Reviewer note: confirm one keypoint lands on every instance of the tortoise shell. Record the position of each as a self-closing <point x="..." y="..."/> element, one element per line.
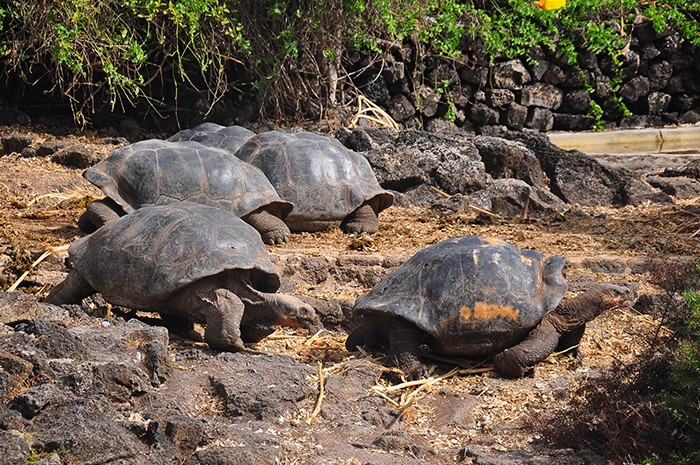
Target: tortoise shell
<point x="472" y="295"/>
<point x="141" y="259"/>
<point x="229" y="138"/>
<point x="322" y="178"/>
<point x="156" y="172"/>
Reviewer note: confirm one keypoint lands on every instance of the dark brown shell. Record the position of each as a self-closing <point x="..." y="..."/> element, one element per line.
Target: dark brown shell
<point x="322" y="178"/>
<point x="141" y="259"/>
<point x="473" y="295"/>
<point x="157" y="172"/>
<point x="229" y="138"/>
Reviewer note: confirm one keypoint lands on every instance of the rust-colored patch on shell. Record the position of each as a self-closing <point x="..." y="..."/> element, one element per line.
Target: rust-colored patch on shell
<point x="484" y="311"/>
<point x="492" y="241"/>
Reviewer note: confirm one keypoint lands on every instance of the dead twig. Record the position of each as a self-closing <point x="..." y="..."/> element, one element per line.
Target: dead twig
<point x="562" y="352"/>
<point x="407" y="399"/>
<point x="366" y="109"/>
<point x="474" y="371"/>
<point x="52" y="195"/>
<point x="313" y="338"/>
<point x="43" y="257"/>
<point x="321" y="395"/>
<point x="473" y="207"/>
<point x="440" y="192"/>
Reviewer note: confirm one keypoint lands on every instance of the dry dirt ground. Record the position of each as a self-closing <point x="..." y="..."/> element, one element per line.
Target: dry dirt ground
<point x="40" y="202"/>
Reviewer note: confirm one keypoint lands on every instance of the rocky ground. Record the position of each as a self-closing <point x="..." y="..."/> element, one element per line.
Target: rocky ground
<point x="90" y="384"/>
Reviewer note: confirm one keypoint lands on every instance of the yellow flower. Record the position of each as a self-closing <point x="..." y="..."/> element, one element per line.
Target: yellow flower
<point x="550" y="4"/>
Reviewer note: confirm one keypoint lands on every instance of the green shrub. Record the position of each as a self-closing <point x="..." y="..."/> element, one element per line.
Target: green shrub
<point x="111" y="50"/>
<point x="682" y="396"/>
<point x="118" y="52"/>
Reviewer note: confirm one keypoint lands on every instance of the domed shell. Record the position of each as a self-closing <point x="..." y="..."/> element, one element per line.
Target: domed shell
<point x="229" y="138"/>
<point x="157" y="251"/>
<point x="322" y="178"/>
<point x="474" y="295"/>
<point x="196" y="133"/>
<point x="156" y="172"/>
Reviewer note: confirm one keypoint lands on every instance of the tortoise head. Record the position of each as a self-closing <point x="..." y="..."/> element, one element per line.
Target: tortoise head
<point x="274" y="309"/>
<point x="614" y="296"/>
<point x="295" y="313"/>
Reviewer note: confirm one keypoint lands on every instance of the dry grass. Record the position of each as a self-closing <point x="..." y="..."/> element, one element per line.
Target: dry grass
<point x="617" y="338"/>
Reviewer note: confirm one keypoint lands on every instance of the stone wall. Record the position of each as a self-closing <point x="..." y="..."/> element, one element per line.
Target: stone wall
<point x="660" y="85"/>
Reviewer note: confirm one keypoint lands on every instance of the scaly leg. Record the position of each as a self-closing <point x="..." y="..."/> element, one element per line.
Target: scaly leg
<point x="362" y="220"/>
<point x="220" y="309"/>
<point x="71" y="290"/>
<point x="224" y="311"/>
<point x="271" y="228"/>
<point x="537" y="346"/>
<point x="404" y="340"/>
<point x="99" y="213"/>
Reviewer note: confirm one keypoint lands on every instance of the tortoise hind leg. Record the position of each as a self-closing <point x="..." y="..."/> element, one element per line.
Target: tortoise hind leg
<point x="98" y="213"/>
<point x="71" y="290"/>
<point x="570" y="341"/>
<point x="177" y="324"/>
<point x="363" y="220"/>
<point x="271" y="228"/>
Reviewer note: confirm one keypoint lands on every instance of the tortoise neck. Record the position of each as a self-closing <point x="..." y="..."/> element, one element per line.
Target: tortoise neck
<point x="577" y="311"/>
<point x="263" y="307"/>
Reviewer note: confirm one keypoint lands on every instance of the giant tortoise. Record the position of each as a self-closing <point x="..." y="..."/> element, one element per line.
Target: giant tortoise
<point x="188" y="261"/>
<point x="328" y="183"/>
<point x="229" y="138"/>
<point x="477" y="296"/>
<point x="156" y="172"/>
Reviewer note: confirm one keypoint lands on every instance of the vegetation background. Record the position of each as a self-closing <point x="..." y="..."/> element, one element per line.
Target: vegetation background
<point x="291" y="57"/>
<point x="166" y="58"/>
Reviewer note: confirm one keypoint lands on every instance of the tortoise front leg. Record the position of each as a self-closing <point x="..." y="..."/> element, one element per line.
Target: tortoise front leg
<point x="71" y="290"/>
<point x="363" y="220"/>
<point x="562" y="328"/>
<point x="220" y="309"/>
<point x="404" y="340"/>
<point x="571" y="340"/>
<point x="541" y="342"/>
<point x="271" y="228"/>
